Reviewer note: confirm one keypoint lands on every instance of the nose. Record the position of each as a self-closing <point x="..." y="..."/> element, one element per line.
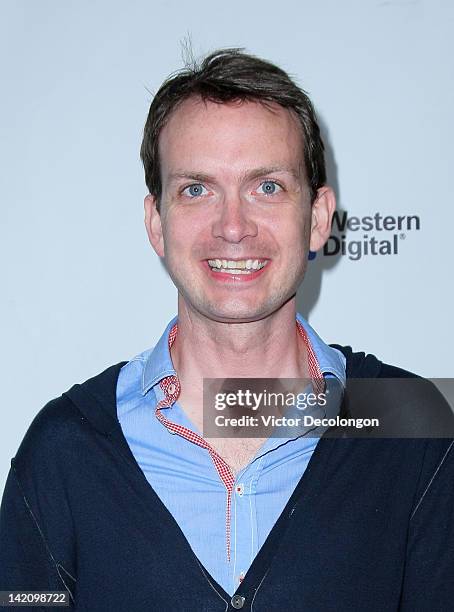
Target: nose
<point x="233" y="221"/>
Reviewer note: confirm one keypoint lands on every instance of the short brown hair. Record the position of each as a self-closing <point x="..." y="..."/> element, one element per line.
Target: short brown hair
<point x="224" y="76"/>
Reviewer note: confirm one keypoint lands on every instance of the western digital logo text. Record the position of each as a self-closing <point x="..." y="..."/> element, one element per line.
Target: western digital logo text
<point x="356" y="237"/>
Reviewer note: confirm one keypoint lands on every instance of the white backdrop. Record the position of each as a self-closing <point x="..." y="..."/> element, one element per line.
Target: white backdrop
<point x="82" y="287"/>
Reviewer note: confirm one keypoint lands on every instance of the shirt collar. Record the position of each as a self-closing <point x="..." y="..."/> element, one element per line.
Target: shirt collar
<point x="330" y="360"/>
<point x="159" y="364"/>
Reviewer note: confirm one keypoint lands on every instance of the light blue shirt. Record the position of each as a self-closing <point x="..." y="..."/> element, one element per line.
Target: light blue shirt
<point x="183" y="474"/>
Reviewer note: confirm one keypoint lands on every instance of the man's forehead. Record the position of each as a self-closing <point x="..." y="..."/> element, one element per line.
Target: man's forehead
<point x="196" y="107"/>
<point x="200" y="132"/>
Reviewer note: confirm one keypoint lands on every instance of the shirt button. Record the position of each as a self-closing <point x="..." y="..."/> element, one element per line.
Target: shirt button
<point x="237" y="602"/>
<point x="171" y="389"/>
<point x="239" y="488"/>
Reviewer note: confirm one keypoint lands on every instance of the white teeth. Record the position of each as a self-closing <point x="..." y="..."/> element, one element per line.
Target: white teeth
<point x="243" y="266"/>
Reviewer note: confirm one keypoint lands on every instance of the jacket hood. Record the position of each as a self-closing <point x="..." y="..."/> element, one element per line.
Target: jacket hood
<point x="359" y="365"/>
<point x="96" y="399"/>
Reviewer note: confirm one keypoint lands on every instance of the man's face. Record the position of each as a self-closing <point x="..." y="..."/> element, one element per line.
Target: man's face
<point x="235" y="213"/>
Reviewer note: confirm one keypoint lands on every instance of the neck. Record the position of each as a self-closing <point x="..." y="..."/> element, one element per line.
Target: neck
<point x="268" y="348"/>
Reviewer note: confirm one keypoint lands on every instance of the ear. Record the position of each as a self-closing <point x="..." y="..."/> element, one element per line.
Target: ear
<point x="321" y="216"/>
<point x="153" y="225"/>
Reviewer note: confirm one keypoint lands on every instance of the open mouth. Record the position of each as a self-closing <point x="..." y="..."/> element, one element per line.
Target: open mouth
<point x="240" y="266"/>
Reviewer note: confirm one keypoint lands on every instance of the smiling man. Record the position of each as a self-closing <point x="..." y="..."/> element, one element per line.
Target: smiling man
<point x="116" y="495"/>
<point x="234" y="176"/>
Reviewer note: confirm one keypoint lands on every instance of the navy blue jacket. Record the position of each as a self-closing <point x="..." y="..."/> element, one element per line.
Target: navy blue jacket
<point x="368" y="527"/>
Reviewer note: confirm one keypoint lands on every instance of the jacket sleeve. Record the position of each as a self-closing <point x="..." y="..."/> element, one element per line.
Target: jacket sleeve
<point x="26" y="562"/>
<point x="36" y="530"/>
<point x="429" y="570"/>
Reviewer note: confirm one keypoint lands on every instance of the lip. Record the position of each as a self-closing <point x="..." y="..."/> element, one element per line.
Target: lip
<point x="225" y="277"/>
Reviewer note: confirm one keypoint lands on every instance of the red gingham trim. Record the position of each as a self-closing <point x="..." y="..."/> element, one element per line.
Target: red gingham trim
<point x="318" y="382"/>
<point x="171" y="388"/>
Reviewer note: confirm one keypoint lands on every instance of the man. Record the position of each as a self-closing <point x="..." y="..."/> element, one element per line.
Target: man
<point x="116" y="495"/>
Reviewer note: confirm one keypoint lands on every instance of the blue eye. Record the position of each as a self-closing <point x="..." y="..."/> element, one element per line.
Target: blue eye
<point x="195" y="190"/>
<point x="269" y="187"/>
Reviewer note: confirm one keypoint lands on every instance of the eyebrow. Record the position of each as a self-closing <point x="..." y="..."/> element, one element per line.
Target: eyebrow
<point x="195" y="176"/>
<point x="249" y="175"/>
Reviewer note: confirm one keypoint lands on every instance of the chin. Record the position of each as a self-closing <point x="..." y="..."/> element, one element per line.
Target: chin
<point x="236" y="312"/>
<point x="236" y="318"/>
